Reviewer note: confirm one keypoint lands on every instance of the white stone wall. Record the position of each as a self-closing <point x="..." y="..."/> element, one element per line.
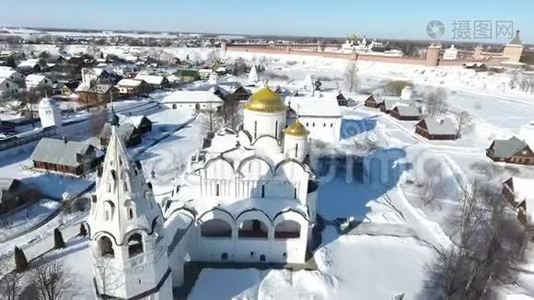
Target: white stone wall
<point x="323" y="128"/>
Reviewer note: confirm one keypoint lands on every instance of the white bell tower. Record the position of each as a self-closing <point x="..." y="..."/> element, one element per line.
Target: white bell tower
<point x="128" y="248"/>
<point x="49" y="113"/>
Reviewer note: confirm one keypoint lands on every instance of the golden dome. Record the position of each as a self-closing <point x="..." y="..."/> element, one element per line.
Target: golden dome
<point x="296" y="129"/>
<point x="265" y="100"/>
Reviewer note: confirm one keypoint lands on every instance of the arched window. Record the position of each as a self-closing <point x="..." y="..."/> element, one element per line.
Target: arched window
<point x="106" y="247"/>
<point x="263" y="190"/>
<point x="287" y="230"/>
<point x="217" y="190"/>
<point x="109" y="210"/>
<point x="255" y="129"/>
<point x="216" y="228"/>
<point x="130" y="213"/>
<point x="135" y="244"/>
<point x="296" y="149"/>
<point x="174" y="106"/>
<point x="253" y="229"/>
<point x="294" y="193"/>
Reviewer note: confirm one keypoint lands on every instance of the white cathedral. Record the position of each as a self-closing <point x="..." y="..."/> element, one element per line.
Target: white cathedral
<point x="250" y="197"/>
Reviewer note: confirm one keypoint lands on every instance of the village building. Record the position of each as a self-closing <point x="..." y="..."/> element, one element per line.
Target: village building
<point x="63" y="156"/>
<point x="32" y="65"/>
<point x="49" y="113"/>
<point x="14" y="193"/>
<point x="433" y="129"/>
<point x="96" y="94"/>
<point x="372" y="102"/>
<point x="236" y="92"/>
<point x="191" y="100"/>
<point x="8" y="89"/>
<point x="518" y="191"/>
<point x="389" y="102"/>
<point x="142" y="123"/>
<point x="512" y="150"/>
<point x="130" y="134"/>
<point x="12" y="75"/>
<point x="133" y="87"/>
<point x="406" y="112"/>
<point x="450" y="53"/>
<point x="187" y="75"/>
<point x="38" y="82"/>
<point x="155" y="81"/>
<point x="320" y="115"/>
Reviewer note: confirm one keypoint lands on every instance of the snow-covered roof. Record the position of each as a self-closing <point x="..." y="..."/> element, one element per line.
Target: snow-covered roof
<point x="29" y="63"/>
<point x="315" y="106"/>
<point x="523" y="189"/>
<point x="33" y="80"/>
<point x="441" y="127"/>
<point x="507" y="148"/>
<point x="7" y="72"/>
<point x="151" y="79"/>
<point x="408" y="110"/>
<point x="60" y="152"/>
<point x="129" y="82"/>
<point x="192" y="97"/>
<point x="133" y="120"/>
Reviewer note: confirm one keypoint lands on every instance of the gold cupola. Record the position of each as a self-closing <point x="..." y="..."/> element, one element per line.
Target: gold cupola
<point x="296" y="129"/>
<point x="265" y="100"/>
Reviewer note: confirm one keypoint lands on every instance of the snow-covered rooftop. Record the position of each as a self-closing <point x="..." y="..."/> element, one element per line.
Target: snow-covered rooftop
<point x="192" y="97"/>
<point x="325" y="106"/>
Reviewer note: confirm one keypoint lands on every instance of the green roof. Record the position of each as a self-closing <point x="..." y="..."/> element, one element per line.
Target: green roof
<point x="516" y="40"/>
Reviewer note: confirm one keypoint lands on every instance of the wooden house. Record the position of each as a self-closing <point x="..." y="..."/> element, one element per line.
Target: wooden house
<point x="512" y="150"/>
<point x="63" y="156"/>
<point x="406" y="113"/>
<point x="133" y="87"/>
<point x="433" y="129"/>
<point x="14" y="193"/>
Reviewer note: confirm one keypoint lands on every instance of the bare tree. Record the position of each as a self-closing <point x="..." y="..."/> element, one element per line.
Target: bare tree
<point x="52" y="281"/>
<point x="433" y="181"/>
<point x="10" y="283"/>
<point x="436" y="103"/>
<point x="351" y="77"/>
<point x="464" y="120"/>
<point x="489" y="247"/>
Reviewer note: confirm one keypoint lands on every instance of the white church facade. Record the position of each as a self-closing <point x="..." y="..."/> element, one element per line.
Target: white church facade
<point x="250" y="198"/>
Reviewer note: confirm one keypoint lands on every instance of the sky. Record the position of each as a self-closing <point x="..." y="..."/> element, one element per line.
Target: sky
<point x="397" y="19"/>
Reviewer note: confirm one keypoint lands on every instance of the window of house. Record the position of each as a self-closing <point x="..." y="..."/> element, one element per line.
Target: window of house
<point x="263" y="190"/>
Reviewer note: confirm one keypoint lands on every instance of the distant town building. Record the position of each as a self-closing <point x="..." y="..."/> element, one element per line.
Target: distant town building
<point x="38" y="82"/>
<point x="514" y="49"/>
<point x="450" y="53"/>
<point x="133" y="87"/>
<point x="156" y="81"/>
<point x="8" y="88"/>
